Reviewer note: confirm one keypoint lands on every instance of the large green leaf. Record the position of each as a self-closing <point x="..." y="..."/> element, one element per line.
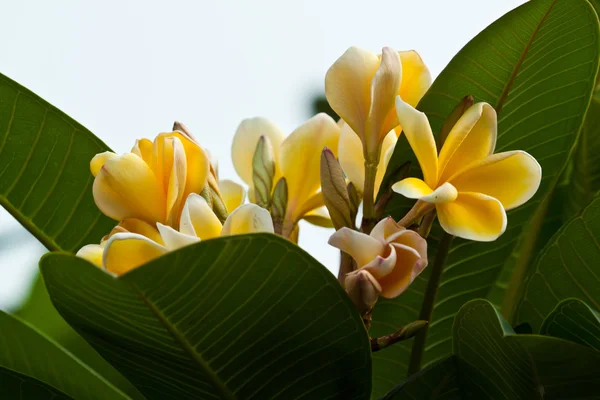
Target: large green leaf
<point x="575" y="321"/>
<point x="491" y="362"/>
<point x="251" y="317"/>
<point x="566" y="268"/>
<point x="42" y="367"/>
<point x="45" y="180"/>
<point x="536" y="66"/>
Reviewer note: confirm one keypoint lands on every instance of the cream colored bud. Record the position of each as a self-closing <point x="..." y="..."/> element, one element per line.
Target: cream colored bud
<point x="263" y="171"/>
<point x="363" y="289"/>
<point x="335" y="193"/>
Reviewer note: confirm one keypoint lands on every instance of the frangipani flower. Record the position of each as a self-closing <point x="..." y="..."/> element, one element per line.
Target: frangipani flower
<point x="297" y="159"/>
<point x="361" y="87"/>
<point x="124" y="251"/>
<point x="152" y="182"/>
<point x="392" y="254"/>
<point x="232" y="193"/>
<point x="469" y="186"/>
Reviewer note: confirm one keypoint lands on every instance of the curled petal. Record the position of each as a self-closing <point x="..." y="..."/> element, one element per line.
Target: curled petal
<point x="409" y="264"/>
<point x="99" y="160"/>
<point x="143" y="149"/>
<point x="92" y="253"/>
<point x="386" y="228"/>
<point x="417" y="130"/>
<point x="126" y="251"/>
<point x="140" y="227"/>
<point x="472" y="138"/>
<point x="173" y="239"/>
<point x="126" y="187"/>
<point x="232" y="193"/>
<point x="177" y="180"/>
<point x="300" y="160"/>
<point x="382" y="265"/>
<point x="512" y="177"/>
<point x="473" y="216"/>
<point x="414" y="188"/>
<point x="198" y="219"/>
<point x="363" y="248"/>
<point x="319" y="217"/>
<point x="248" y="218"/>
<point x="244" y="144"/>
<point x="416" y="78"/>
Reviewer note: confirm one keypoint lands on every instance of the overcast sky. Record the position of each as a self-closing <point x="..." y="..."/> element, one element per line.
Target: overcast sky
<point x="128" y="69"/>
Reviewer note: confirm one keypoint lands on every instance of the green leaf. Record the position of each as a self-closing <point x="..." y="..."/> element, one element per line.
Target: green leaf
<point x="537" y="66"/>
<point x="575" y="321"/>
<point x="566" y="268"/>
<point x="26" y="353"/>
<point x="45" y="179"/>
<point x="19" y="386"/>
<point x="250" y="316"/>
<point x="438" y="381"/>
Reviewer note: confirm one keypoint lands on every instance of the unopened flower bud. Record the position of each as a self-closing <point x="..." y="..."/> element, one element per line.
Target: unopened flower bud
<point x="354" y="199"/>
<point x="363" y="289"/>
<point x="263" y="171"/>
<point x="279" y="204"/>
<point x="454" y="116"/>
<point x="333" y="187"/>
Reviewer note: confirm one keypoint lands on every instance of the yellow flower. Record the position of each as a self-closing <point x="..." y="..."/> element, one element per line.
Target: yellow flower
<point x="393" y="255"/>
<point x="232" y="193"/>
<point x="152" y="182"/>
<point x="297" y="159"/>
<point x="361" y="87"/>
<point x="469" y="186"/>
<point x="125" y="250"/>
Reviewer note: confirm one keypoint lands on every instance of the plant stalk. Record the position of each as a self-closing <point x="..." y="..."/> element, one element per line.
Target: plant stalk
<point x="346" y="266"/>
<point x="369" y="219"/>
<point x="418" y="347"/>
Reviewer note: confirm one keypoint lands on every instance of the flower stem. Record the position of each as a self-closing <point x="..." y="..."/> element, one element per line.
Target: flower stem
<point x="417" y="211"/>
<point x="404" y="333"/>
<point x="346" y="266"/>
<point x="418" y="347"/>
<point x="369" y="219"/>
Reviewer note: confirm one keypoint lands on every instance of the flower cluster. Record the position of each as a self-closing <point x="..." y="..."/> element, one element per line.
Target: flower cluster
<point x="165" y="194"/>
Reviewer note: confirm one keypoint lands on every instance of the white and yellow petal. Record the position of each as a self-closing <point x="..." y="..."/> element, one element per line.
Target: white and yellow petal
<point x="363" y="248"/>
<point x="140" y="227"/>
<point x="248" y="218"/>
<point x="92" y="253"/>
<point x="174" y="239"/>
<point x="126" y="187"/>
<point x="409" y="264"/>
<point x="126" y="251"/>
<point x="232" y="193"/>
<point x="244" y="144"/>
<point x="417" y="130"/>
<point x="472" y="138"/>
<point x="99" y="160"/>
<point x="416" y="78"/>
<point x="319" y="217"/>
<point x="198" y="219"/>
<point x="473" y="216"/>
<point x="415" y="188"/>
<point x="143" y="149"/>
<point x="512" y="177"/>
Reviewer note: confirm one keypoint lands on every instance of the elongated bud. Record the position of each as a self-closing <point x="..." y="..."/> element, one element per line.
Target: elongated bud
<point x="363" y="289"/>
<point x="335" y="193"/>
<point x="454" y="116"/>
<point x="279" y="204"/>
<point x="354" y="199"/>
<point x="179" y="126"/>
<point x="263" y="171"/>
<point x="206" y="194"/>
<point x="218" y="205"/>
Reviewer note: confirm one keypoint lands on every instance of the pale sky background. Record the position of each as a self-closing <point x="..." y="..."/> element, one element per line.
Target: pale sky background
<point x="128" y="69"/>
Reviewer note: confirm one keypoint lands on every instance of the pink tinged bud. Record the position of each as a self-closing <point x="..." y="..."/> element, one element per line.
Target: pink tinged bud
<point x="363" y="289"/>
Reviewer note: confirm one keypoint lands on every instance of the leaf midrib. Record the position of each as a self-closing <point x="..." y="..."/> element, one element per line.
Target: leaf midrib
<point x="213" y="378"/>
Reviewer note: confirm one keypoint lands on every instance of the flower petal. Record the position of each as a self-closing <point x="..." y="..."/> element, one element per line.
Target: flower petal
<point x="92" y="253"/>
<point x="244" y="144"/>
<point x="126" y="251"/>
<point x="232" y="193"/>
<point x="472" y="138"/>
<point x="143" y="149"/>
<point x="177" y="180"/>
<point x="417" y="130"/>
<point x="386" y="228"/>
<point x="300" y="160"/>
<point x="126" y="187"/>
<point x="408" y="265"/>
<point x="348" y="86"/>
<point x="381" y="265"/>
<point x="384" y="89"/>
<point x="512" y="177"/>
<point x="414" y="188"/>
<point x="140" y="227"/>
<point x="248" y="218"/>
<point x="363" y="248"/>
<point x="99" y="160"/>
<point x="173" y="239"/>
<point x="416" y="78"/>
<point x="473" y="216"/>
<point x="198" y="219"/>
<point x="319" y="217"/>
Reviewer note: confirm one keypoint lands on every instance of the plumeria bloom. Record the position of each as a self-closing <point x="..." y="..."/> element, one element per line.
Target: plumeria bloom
<point x="152" y="182"/>
<point x="297" y="159"/>
<point x="124" y="250"/>
<point x="392" y="254"/>
<point x="469" y="186"/>
<point x="361" y="87"/>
